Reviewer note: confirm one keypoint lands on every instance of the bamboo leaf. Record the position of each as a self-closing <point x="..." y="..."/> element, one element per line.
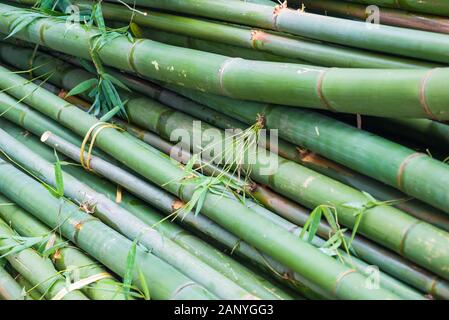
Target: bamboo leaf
<point x="59" y="177"/>
<point x="130" y="263"/>
<point x="83" y="87"/>
<point x="144" y="285"/>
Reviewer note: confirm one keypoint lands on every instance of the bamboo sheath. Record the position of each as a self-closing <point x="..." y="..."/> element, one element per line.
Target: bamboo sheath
<point x="399" y="41"/>
<point x="36" y="269"/>
<point x="101" y="242"/>
<point x="9" y="288"/>
<point x="402" y="169"/>
<point x="438" y="7"/>
<point x="140" y="113"/>
<point x="388" y="16"/>
<point x="285" y="248"/>
<point x="418" y="93"/>
<point x="168" y="204"/>
<point x="69" y="258"/>
<point x="124" y="222"/>
<point x="311" y="52"/>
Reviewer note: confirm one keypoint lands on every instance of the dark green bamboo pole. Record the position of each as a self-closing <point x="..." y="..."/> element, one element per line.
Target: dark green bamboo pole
<point x="438" y="7"/>
<point x="124" y="222"/>
<point x="91" y="235"/>
<point x="421" y="92"/>
<point x="426" y="132"/>
<point x="388" y="16"/>
<point x="258" y="40"/>
<point x="230" y="214"/>
<point x="35" y="268"/>
<point x="9" y="288"/>
<point x="69" y="258"/>
<point x="399" y="41"/>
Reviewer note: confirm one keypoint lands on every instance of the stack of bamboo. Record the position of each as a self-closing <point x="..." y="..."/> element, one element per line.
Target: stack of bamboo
<point x="106" y="191"/>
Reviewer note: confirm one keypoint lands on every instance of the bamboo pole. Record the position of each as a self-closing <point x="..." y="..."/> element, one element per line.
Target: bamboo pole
<point x="403" y="168"/>
<point x="103" y="168"/>
<point x="305" y="51"/>
<point x="438" y="7"/>
<point x="392" y="17"/>
<point x="169" y="204"/>
<point x="151" y="164"/>
<point x="36" y="269"/>
<point x="139" y="108"/>
<point x="276" y="82"/>
<point x="125" y="223"/>
<point x="9" y="288"/>
<point x="399" y="41"/>
<point x="100" y="241"/>
<point x="68" y="257"/>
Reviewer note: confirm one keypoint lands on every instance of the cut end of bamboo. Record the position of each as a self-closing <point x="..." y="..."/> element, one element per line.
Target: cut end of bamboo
<point x="45" y="136"/>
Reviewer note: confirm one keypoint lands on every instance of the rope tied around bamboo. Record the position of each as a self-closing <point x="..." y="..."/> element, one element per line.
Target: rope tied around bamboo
<point x="95" y="130"/>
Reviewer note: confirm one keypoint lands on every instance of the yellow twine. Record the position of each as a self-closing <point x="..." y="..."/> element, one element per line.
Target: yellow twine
<point x="96" y="129"/>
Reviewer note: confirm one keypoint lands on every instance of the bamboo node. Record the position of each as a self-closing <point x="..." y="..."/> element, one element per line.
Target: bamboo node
<point x="422" y="94"/>
<point x="404" y="165"/>
<point x="320" y="91"/>
<point x="221" y="73"/>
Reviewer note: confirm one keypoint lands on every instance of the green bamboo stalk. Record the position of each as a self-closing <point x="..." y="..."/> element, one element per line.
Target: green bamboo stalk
<point x="322" y="134"/>
<point x="438" y="7"/>
<point x="97" y="164"/>
<point x="182" y="104"/>
<point x="28" y="287"/>
<point x="276" y="82"/>
<point x="100" y="241"/>
<point x="242" y="221"/>
<point x="35" y="268"/>
<point x="146" y="192"/>
<point x="368" y="251"/>
<point x="168" y="204"/>
<point x="399" y="41"/>
<point x="68" y="258"/>
<point x="139" y="108"/>
<point x="125" y="223"/>
<point x="9" y="288"/>
<point x="213" y="47"/>
<point x="258" y="40"/>
<point x="392" y="17"/>
<point x="103" y="168"/>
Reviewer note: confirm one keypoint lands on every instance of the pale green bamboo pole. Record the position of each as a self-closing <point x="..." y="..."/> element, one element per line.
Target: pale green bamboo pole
<point x="35" y="268"/>
<point x="9" y="288"/>
<point x="161" y="171"/>
<point x="101" y="242"/>
<point x="168" y="204"/>
<point x="69" y="257"/>
<point x="124" y="222"/>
